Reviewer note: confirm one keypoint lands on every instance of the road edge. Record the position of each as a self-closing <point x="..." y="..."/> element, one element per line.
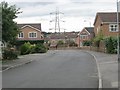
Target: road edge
<point x="99" y="73"/>
<point x="17" y="65"/>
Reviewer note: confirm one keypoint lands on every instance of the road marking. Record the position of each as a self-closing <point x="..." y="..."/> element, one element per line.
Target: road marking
<point x="99" y="73"/>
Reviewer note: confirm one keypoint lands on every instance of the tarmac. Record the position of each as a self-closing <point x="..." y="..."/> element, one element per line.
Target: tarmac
<point x="107" y="67"/>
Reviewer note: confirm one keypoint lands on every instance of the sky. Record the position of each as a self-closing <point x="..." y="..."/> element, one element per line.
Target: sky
<point x="77" y="14"/>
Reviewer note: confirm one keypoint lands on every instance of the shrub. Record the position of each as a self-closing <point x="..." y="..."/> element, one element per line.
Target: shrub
<point x="72" y="43"/>
<point x="25" y="48"/>
<point x="87" y="43"/>
<point x="111" y="44"/>
<point x="9" y="54"/>
<point x="60" y="42"/>
<point x="38" y="48"/>
<point x="97" y="39"/>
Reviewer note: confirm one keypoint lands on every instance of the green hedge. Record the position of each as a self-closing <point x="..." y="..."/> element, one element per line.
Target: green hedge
<point x="111" y="44"/>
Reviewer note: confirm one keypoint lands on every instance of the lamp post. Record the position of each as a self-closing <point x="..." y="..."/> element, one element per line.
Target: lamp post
<point x="118" y="30"/>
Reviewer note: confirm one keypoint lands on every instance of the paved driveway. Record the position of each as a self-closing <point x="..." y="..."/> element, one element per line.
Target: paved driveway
<point x="55" y="69"/>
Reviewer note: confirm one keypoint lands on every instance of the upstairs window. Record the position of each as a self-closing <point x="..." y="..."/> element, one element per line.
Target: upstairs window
<point x="113" y="28"/>
<point x="32" y="35"/>
<point x="83" y="36"/>
<point x="21" y="35"/>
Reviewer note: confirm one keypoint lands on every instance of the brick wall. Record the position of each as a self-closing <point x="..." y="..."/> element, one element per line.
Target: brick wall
<point x="26" y="31"/>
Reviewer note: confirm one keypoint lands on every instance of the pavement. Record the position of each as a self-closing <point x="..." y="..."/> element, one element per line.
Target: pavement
<point x="15" y="63"/>
<point x="107" y="65"/>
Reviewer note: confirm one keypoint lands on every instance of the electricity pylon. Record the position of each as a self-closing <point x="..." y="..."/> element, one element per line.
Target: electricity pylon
<point x="56" y="20"/>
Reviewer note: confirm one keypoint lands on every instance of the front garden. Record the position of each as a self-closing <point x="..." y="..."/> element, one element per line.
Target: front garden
<point x="10" y="53"/>
<point x="103" y="44"/>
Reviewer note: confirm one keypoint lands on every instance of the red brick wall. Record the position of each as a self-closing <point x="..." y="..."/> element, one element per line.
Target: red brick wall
<point x="26" y="31"/>
<point x="104" y="27"/>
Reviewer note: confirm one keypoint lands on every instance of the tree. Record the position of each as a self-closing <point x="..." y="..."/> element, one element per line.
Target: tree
<point x="9" y="27"/>
<point x="0" y="22"/>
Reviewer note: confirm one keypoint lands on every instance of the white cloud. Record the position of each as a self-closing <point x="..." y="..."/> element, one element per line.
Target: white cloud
<point x="75" y="12"/>
<point x="66" y="1"/>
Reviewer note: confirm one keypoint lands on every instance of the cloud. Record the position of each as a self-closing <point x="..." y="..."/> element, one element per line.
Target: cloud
<point x="66" y="1"/>
<point x="75" y="11"/>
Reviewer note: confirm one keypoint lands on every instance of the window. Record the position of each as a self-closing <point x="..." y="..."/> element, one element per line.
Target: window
<point x="83" y="36"/>
<point x="113" y="27"/>
<point x="20" y="35"/>
<point x="32" y="35"/>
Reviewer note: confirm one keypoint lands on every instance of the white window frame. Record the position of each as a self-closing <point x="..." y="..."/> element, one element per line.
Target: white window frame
<point x="34" y="33"/>
<point x="85" y="36"/>
<point x="20" y="36"/>
<point x="113" y="27"/>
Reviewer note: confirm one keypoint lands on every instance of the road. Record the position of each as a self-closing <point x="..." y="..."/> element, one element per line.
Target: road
<point x="55" y="69"/>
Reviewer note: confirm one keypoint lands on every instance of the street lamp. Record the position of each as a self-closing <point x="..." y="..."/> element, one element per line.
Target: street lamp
<point x="118" y="2"/>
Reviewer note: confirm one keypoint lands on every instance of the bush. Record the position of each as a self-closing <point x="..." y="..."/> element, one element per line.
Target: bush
<point x="97" y="39"/>
<point x="60" y="42"/>
<point x="25" y="48"/>
<point x="9" y="54"/>
<point x="38" y="48"/>
<point x="72" y="43"/>
<point x="111" y="45"/>
<point x="87" y="43"/>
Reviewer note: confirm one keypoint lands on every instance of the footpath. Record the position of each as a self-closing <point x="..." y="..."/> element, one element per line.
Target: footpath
<point x="108" y="68"/>
<point x="107" y="64"/>
<point x="9" y="64"/>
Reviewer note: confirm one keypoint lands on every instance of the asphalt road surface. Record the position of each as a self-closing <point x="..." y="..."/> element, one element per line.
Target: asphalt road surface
<point x="55" y="69"/>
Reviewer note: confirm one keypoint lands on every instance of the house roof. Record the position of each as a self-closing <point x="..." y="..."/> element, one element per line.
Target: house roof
<point x="63" y="35"/>
<point x="107" y="16"/>
<point x="90" y="29"/>
<point x="34" y="25"/>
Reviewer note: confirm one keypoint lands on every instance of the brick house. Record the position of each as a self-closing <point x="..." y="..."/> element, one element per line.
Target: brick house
<point x="106" y="23"/>
<point x="64" y="36"/>
<point x="86" y="34"/>
<point x="30" y="32"/>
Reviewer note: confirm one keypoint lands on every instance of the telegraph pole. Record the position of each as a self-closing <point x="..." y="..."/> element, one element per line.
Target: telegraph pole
<point x="56" y="20"/>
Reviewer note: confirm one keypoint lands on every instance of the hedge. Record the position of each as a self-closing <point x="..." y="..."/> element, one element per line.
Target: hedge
<point x="111" y="44"/>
